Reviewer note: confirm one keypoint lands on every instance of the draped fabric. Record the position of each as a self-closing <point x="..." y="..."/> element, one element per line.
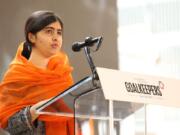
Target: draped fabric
<point x="25" y="85"/>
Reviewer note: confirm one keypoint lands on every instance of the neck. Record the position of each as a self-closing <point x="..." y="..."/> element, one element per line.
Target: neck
<point x="38" y="59"/>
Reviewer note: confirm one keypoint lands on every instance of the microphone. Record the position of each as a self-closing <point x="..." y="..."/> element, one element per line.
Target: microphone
<point x="89" y="41"/>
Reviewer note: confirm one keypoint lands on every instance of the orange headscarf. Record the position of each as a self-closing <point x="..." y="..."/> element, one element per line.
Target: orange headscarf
<point x="25" y="85"/>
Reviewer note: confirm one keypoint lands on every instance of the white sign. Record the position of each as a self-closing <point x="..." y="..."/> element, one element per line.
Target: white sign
<point x="124" y="86"/>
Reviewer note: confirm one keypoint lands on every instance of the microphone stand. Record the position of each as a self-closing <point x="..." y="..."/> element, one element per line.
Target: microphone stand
<point x="91" y="64"/>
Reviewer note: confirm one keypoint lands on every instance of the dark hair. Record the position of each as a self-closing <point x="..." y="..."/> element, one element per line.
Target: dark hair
<point x="36" y="22"/>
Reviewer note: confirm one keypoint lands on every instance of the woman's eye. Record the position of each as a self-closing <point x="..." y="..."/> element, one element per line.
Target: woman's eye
<point x="59" y="32"/>
<point x="49" y="31"/>
<point x="52" y="32"/>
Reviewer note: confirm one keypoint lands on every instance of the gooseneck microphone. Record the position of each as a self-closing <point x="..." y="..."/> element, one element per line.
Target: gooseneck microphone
<point x="89" y="41"/>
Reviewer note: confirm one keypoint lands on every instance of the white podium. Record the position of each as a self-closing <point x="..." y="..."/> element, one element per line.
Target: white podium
<point x="119" y="103"/>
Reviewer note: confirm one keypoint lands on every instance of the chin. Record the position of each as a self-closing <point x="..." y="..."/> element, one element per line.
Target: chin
<point x="53" y="53"/>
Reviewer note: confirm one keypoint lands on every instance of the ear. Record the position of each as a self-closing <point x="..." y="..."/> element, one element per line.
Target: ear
<point x="32" y="37"/>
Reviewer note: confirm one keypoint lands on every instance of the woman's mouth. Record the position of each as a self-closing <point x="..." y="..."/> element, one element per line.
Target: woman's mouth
<point x="54" y="46"/>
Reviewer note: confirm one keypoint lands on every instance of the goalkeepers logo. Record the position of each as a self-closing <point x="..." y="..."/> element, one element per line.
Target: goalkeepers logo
<point x="145" y="88"/>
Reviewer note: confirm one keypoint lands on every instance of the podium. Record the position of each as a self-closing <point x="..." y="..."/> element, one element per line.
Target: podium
<point x="111" y="102"/>
<point x="118" y="103"/>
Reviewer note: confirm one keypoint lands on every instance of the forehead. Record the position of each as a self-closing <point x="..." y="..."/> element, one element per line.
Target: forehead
<point x="54" y="25"/>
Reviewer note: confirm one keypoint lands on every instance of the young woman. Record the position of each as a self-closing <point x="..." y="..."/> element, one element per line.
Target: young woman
<point x="38" y="72"/>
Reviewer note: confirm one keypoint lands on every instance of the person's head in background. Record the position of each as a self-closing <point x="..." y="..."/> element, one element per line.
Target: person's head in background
<point x="43" y="33"/>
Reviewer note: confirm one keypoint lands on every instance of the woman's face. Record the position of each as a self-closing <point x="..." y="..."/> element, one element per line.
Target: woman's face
<point x="48" y="41"/>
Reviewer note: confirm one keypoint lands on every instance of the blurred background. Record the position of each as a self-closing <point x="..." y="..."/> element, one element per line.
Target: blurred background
<point x="140" y="36"/>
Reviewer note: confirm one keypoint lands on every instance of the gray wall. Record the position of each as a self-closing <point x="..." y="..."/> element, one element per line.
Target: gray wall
<point x="81" y="18"/>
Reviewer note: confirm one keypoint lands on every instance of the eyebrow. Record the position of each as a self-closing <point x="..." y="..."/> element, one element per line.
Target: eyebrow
<point x="52" y="28"/>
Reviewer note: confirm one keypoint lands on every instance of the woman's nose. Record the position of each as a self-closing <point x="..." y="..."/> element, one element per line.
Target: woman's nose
<point x="55" y="36"/>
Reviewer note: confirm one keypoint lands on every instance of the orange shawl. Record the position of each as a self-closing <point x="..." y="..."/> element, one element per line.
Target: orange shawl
<point x="25" y="84"/>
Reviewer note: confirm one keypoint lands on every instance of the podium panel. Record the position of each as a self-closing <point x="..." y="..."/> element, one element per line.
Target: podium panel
<point x="63" y="103"/>
<point x="128" y="114"/>
<point x="94" y="115"/>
